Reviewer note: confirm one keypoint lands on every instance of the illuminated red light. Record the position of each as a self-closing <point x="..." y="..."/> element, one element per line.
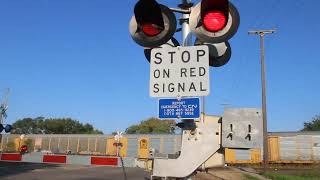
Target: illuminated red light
<point x="214" y="21"/>
<point x="150" y="30"/>
<point x="24" y="148"/>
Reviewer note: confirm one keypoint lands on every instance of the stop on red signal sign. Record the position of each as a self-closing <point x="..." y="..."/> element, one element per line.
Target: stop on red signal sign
<point x="179" y="71"/>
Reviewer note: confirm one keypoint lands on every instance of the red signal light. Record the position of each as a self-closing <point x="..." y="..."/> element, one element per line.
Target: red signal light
<point x="150" y="29"/>
<point x="152" y="24"/>
<point x="24" y="148"/>
<point x="214" y="21"/>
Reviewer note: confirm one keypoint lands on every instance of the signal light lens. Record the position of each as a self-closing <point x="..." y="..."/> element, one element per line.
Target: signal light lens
<point x="214" y="21"/>
<point x="24" y="148"/>
<point x="150" y="29"/>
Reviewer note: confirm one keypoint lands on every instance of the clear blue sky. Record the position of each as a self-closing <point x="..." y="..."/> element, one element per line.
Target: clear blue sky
<point x="76" y="59"/>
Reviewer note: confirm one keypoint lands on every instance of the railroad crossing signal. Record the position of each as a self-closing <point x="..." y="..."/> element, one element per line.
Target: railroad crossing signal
<point x="180" y="72"/>
<point x="153" y="24"/>
<point x="213" y="22"/>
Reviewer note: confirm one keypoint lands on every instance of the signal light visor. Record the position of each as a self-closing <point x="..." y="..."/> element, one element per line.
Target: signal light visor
<point x="214" y="21"/>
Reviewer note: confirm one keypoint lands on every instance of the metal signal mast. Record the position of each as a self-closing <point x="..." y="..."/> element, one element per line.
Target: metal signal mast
<point x="3" y="112"/>
<point x="4" y="106"/>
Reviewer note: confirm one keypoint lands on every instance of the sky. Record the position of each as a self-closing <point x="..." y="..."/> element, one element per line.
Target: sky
<point x="76" y="59"/>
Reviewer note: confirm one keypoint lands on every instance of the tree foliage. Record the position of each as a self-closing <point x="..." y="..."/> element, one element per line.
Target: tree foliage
<point x="313" y="125"/>
<point x="152" y="126"/>
<point x="41" y="125"/>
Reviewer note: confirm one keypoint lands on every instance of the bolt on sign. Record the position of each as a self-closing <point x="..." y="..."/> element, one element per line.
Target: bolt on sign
<point x="179" y="71"/>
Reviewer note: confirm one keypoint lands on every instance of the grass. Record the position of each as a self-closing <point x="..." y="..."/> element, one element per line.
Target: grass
<point x="248" y="177"/>
<point x="287" y="171"/>
<point x="275" y="176"/>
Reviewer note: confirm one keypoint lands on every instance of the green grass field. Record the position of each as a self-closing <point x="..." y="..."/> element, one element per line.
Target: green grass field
<point x="248" y="177"/>
<point x="276" y="176"/>
<point x="287" y="172"/>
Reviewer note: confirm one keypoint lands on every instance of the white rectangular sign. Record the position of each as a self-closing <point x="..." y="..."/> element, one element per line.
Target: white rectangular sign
<point x="179" y="71"/>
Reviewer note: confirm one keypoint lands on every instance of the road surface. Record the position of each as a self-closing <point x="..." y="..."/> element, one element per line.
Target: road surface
<point x="32" y="171"/>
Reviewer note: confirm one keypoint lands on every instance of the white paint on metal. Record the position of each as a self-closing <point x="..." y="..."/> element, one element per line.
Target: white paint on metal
<point x="118" y="136"/>
<point x="34" y="157"/>
<point x="242" y="128"/>
<point x="78" y="160"/>
<point x="195" y="150"/>
<point x="186" y="32"/>
<point x="179" y="71"/>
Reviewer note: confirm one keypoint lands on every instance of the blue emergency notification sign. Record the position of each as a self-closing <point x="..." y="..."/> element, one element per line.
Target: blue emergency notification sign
<point x="186" y="108"/>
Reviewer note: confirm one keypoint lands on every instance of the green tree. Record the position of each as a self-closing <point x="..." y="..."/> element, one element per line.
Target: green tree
<point x="152" y="126"/>
<point x="313" y="125"/>
<point x="41" y="125"/>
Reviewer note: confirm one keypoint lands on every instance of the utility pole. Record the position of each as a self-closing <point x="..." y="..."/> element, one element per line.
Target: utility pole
<point x="262" y="33"/>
